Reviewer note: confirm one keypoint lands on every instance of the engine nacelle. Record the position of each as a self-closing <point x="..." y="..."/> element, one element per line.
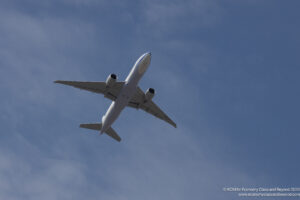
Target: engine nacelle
<point x="111" y="79"/>
<point x="149" y="94"/>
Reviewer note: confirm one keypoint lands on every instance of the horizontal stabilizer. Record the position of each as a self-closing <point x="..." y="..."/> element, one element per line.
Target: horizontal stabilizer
<point x="112" y="133"/>
<point x="97" y="126"/>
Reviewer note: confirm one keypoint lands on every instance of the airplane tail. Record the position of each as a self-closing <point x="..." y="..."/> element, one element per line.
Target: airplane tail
<point x="97" y="126"/>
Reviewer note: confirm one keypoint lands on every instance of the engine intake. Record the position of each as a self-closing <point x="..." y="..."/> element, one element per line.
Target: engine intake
<point x="149" y="94"/>
<point x="111" y="79"/>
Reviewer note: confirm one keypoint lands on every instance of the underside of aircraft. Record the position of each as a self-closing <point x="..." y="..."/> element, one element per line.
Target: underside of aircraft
<point x="123" y="94"/>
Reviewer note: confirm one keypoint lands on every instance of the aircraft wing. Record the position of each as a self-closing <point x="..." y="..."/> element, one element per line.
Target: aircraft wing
<point x="138" y="101"/>
<point x="97" y="87"/>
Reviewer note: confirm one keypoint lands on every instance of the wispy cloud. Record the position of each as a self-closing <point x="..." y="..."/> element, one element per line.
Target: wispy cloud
<point x="153" y="164"/>
<point x="45" y="155"/>
<point x="33" y="53"/>
<point x="166" y="18"/>
<point x="47" y="179"/>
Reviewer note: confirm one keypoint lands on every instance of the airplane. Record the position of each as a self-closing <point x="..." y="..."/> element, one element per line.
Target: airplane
<point x="122" y="93"/>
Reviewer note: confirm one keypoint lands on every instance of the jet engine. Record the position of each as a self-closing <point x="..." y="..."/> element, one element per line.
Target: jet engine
<point x="111" y="79"/>
<point x="149" y="94"/>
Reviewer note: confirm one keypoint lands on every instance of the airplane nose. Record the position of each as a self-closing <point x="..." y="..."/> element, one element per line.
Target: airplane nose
<point x="147" y="57"/>
<point x="144" y="62"/>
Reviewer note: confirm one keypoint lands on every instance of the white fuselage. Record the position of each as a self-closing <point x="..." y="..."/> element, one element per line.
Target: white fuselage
<point x="127" y="91"/>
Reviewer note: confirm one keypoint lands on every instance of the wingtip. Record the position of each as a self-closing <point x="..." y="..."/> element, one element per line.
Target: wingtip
<point x="56" y="81"/>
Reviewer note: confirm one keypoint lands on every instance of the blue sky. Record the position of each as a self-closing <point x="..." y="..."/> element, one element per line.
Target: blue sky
<point x="225" y="71"/>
